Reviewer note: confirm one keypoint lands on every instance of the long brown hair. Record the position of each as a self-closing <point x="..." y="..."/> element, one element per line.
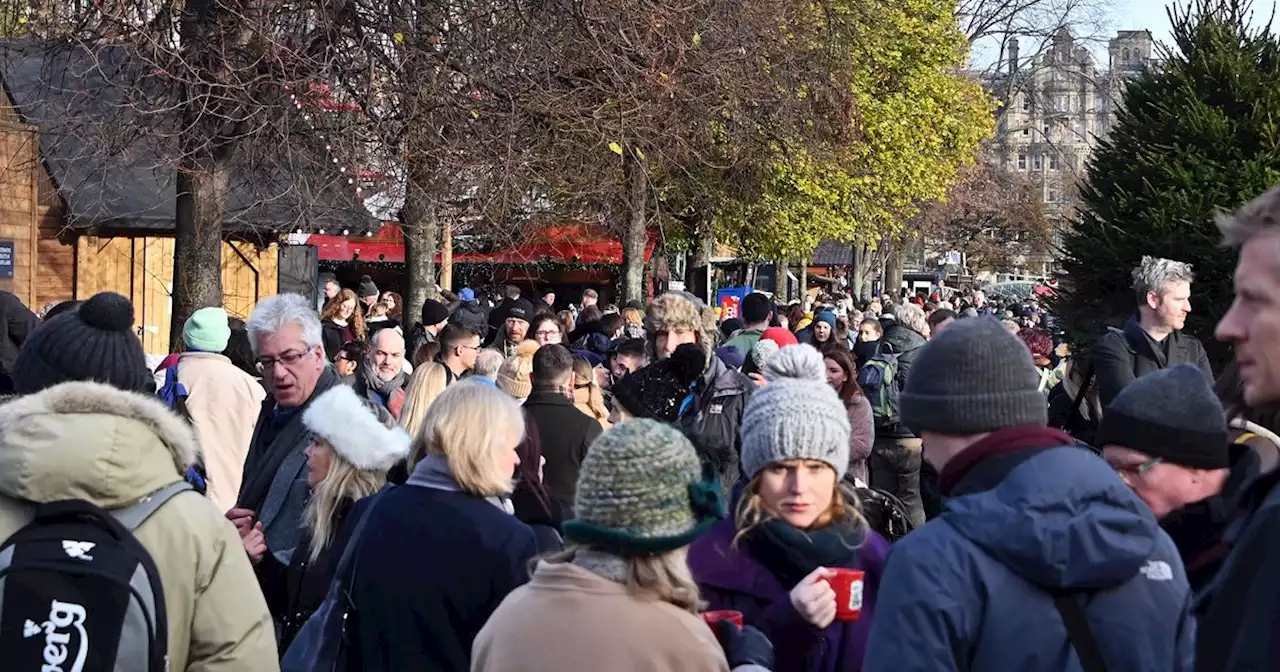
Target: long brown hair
<point x="334" y="307"/>
<point x="850" y="390"/>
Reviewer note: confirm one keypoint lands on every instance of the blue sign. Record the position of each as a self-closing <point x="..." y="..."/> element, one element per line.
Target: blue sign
<point x="6" y="258"/>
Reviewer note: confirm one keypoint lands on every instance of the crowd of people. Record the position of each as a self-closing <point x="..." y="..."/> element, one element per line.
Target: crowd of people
<point x="932" y="482"/>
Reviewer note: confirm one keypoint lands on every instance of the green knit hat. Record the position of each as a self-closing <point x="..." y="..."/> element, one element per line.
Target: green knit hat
<point x="643" y="491"/>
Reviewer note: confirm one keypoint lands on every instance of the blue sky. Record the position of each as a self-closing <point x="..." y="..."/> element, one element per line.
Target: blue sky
<point x="1150" y="14"/>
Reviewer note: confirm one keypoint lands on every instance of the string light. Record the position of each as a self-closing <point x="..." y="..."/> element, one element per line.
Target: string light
<point x="328" y="147"/>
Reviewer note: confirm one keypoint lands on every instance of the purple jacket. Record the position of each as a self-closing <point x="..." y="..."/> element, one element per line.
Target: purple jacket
<point x="730" y="579"/>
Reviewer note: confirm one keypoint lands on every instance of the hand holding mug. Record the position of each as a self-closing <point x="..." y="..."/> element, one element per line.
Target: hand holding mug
<point x="814" y="599"/>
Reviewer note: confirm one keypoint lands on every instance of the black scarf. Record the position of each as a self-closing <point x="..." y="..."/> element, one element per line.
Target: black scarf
<point x="791" y="554"/>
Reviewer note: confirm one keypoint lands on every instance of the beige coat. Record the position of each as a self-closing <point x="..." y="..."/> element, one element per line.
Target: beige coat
<point x="567" y="618"/>
<point x="224" y="403"/>
<point x="109" y="447"/>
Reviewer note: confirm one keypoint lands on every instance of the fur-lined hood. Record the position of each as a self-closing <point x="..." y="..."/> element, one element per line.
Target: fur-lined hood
<point x="680" y="310"/>
<point x="340" y="417"/>
<point x="90" y="441"/>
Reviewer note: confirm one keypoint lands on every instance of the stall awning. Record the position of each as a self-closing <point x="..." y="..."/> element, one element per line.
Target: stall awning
<point x="565" y="243"/>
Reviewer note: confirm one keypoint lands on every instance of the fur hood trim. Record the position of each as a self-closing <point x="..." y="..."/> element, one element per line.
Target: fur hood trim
<point x="680" y="310"/>
<point x="340" y="417"/>
<point x="85" y="398"/>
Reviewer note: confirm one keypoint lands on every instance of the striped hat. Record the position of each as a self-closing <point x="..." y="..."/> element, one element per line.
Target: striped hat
<point x="643" y="491"/>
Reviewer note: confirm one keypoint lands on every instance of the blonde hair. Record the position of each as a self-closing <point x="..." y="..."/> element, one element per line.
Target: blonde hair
<point x="665" y="577"/>
<point x="633" y="317"/>
<point x="343" y="483"/>
<point x="334" y="306"/>
<point x="752" y="511"/>
<point x="378" y="309"/>
<point x="427" y="382"/>
<point x="471" y="424"/>
<point x="1259" y="215"/>
<point x="582" y="371"/>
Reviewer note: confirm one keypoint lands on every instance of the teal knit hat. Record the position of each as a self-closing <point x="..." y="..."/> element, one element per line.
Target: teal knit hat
<point x="207" y="330"/>
<point x="643" y="491"/>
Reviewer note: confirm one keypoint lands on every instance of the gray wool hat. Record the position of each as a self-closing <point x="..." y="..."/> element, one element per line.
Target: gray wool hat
<point x="1172" y="414"/>
<point x="797" y="415"/>
<point x="975" y="377"/>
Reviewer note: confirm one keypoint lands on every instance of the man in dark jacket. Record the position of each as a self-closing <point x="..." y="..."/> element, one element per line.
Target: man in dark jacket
<point x="1166" y="435"/>
<point x="565" y="432"/>
<point x="469" y="314"/>
<point x="895" y="463"/>
<point x="1153" y="340"/>
<point x="16" y="324"/>
<point x="712" y="413"/>
<point x="1237" y="613"/>
<point x="434" y="317"/>
<point x="381" y="378"/>
<point x="1037" y="533"/>
<point x="498" y="316"/>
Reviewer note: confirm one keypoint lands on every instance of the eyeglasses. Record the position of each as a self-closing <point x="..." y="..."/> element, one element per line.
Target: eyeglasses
<point x="1127" y="471"/>
<point x="546" y="334"/>
<point x="288" y="358"/>
<point x="477" y="348"/>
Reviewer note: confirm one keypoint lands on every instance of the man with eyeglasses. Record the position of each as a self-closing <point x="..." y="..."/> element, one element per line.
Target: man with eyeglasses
<point x="284" y="332"/>
<point x="1165" y="434"/>
<point x="459" y="348"/>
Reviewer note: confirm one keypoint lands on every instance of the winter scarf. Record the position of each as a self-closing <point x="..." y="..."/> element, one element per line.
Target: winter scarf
<point x="390" y="392"/>
<point x="865" y="350"/>
<point x="790" y="554"/>
<point x="433" y="472"/>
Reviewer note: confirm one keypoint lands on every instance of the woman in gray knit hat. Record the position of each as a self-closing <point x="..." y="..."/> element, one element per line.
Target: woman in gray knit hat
<point x="622" y="594"/>
<point x="794" y="523"/>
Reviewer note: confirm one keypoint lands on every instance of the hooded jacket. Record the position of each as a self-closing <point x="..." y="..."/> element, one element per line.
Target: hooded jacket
<point x="1124" y="355"/>
<point x="469" y="315"/>
<point x="111" y="448"/>
<point x="973" y="589"/>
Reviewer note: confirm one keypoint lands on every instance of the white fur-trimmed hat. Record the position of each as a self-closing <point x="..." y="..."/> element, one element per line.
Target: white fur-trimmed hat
<point x="340" y="417"/>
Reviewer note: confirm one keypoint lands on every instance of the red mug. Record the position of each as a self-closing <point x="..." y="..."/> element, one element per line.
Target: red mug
<point x="713" y="617"/>
<point x="848" y="586"/>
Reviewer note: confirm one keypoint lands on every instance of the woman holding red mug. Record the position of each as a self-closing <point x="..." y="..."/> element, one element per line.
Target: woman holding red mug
<point x="797" y="560"/>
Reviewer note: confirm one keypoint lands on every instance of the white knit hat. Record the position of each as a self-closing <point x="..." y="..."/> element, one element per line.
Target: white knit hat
<point x="340" y="417"/>
<point x="797" y="415"/>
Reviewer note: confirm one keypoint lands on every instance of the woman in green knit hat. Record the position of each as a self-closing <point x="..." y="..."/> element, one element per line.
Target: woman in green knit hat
<point x="622" y="594"/>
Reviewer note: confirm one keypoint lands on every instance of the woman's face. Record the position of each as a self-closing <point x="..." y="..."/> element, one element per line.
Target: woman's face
<point x="868" y="332"/>
<point x="509" y="459"/>
<point x="389" y="300"/>
<point x="344" y="366"/>
<point x="319" y="459"/>
<point x="548" y="333"/>
<point x="798" y="492"/>
<point x="346" y="309"/>
<point x="835" y="374"/>
<point x="821" y="331"/>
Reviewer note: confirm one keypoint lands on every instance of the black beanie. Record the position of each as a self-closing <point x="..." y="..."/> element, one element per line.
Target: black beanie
<point x="367" y="288"/>
<point x="521" y="309"/>
<point x="1171" y="414"/>
<point x="658" y="390"/>
<point x="94" y="342"/>
<point x="434" y="312"/>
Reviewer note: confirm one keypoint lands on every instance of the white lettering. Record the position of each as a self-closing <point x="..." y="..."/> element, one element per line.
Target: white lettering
<point x="64" y="615"/>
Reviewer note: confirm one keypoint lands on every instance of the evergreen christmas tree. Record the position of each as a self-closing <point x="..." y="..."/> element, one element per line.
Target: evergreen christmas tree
<point x="1198" y="134"/>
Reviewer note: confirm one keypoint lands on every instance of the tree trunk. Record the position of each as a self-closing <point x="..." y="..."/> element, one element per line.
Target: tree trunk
<point x="197" y="244"/>
<point x="421" y="237"/>
<point x="893" y="272"/>
<point x="697" y="273"/>
<point x="634" y="237"/>
<point x="780" y="281"/>
<point x="858" y="271"/>
<point x="804" y="278"/>
<point x="446" y="257"/>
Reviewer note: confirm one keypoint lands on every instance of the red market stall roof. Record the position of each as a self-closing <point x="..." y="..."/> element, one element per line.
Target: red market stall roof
<point x="566" y="243"/>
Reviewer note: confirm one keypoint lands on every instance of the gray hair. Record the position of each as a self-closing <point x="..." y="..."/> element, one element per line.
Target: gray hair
<point x="1260" y="214"/>
<point x="912" y="317"/>
<point x="1155" y="273"/>
<point x="273" y="312"/>
<point x="487" y="364"/>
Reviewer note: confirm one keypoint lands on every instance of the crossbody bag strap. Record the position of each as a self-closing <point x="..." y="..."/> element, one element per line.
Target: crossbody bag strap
<point x="1079" y="633"/>
<point x="1084" y="392"/>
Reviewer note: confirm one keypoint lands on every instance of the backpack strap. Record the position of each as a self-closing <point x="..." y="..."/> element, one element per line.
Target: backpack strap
<point x="133" y="516"/>
<point x="1079" y="633"/>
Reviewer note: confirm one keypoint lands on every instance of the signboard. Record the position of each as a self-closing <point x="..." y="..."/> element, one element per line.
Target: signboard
<point x="6" y="258"/>
<point x="729" y="306"/>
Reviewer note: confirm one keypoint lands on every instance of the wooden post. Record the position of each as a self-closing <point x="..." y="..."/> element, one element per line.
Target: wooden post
<point x="446" y="257"/>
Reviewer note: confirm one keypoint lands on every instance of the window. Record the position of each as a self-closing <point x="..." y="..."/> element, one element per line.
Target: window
<point x="1053" y="162"/>
<point x="1046" y="131"/>
<point x="1124" y="56"/>
<point x="1026" y="131"/>
<point x="1052" y="196"/>
<point x="1026" y="102"/>
<point x="1037" y="162"/>
<point x="1022" y="160"/>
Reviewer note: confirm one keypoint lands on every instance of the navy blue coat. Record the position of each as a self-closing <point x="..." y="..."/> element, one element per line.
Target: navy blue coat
<point x="431" y="566"/>
<point x="970" y="589"/>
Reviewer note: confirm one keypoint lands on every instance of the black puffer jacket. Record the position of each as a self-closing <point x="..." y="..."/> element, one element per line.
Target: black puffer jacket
<point x="469" y="315"/>
<point x="906" y="343"/>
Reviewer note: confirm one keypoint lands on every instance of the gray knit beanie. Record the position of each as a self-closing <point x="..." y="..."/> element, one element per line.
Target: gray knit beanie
<point x="975" y="377"/>
<point x="796" y="416"/>
<point x="1172" y="414"/>
<point x="643" y="491"/>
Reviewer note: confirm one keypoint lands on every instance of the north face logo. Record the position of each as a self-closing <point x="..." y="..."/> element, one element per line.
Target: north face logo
<point x="78" y="549"/>
<point x="62" y="615"/>
<point x="1158" y="570"/>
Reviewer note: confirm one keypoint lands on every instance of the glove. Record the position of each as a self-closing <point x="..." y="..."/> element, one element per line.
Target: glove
<point x="745" y="646"/>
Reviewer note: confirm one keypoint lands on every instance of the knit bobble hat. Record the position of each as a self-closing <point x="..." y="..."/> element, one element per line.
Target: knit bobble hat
<point x="1172" y="414"/>
<point x="796" y="416"/>
<point x="92" y="343"/>
<point x="207" y="330"/>
<point x="367" y="288"/>
<point x="658" y="390"/>
<point x="515" y="374"/>
<point x="828" y="317"/>
<point x="974" y="377"/>
<point x="643" y="491"/>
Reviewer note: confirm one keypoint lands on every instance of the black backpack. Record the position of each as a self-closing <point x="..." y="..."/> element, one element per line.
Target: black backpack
<point x="79" y="592"/>
<point x="884" y="512"/>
